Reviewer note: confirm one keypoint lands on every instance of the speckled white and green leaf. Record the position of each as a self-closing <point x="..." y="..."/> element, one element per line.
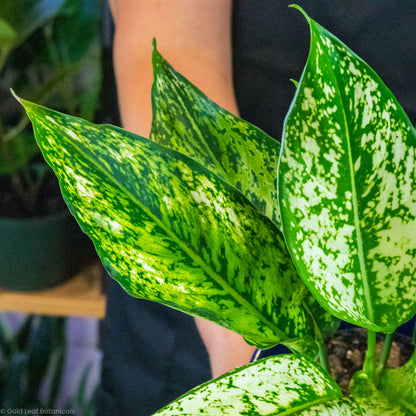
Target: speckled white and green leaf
<point x="283" y="385"/>
<point x="399" y="384"/>
<point x="186" y="120"/>
<point x="347" y="188"/>
<point x="373" y="402"/>
<point x="280" y="385"/>
<point x="169" y="230"/>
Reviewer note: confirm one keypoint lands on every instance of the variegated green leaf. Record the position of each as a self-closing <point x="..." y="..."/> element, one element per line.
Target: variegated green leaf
<point x="399" y="384"/>
<point x="373" y="402"/>
<point x="186" y="120"/>
<point x="281" y="385"/>
<point x="171" y="231"/>
<point x="347" y="188"/>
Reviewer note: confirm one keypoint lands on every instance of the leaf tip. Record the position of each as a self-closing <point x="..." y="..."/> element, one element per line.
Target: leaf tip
<point x="295" y="83"/>
<point x="15" y="95"/>
<point x="157" y="59"/>
<point x="296" y="6"/>
<point x="22" y="102"/>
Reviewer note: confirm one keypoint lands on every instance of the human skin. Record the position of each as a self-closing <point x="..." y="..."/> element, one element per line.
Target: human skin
<point x="195" y="37"/>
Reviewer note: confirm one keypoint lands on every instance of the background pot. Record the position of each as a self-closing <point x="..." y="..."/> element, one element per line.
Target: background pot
<point x="40" y="252"/>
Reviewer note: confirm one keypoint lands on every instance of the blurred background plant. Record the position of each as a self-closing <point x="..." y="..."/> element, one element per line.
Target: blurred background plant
<point x="27" y="355"/>
<point x="50" y="52"/>
<point x="32" y="365"/>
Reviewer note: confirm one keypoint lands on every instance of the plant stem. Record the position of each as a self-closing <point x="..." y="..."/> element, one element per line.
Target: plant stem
<point x="370" y="356"/>
<point x="323" y="358"/>
<point x="388" y="342"/>
<point x="385" y="355"/>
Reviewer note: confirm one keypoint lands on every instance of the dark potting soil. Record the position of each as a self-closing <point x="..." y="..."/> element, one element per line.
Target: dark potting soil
<point x="48" y="201"/>
<point x="346" y="353"/>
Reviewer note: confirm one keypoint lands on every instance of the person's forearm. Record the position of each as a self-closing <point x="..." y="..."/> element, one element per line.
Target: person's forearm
<point x="226" y="349"/>
<point x="195" y="37"/>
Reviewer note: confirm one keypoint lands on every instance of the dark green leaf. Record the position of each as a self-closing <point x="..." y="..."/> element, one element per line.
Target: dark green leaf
<point x="6" y="345"/>
<point x="77" y="44"/>
<point x="25" y="16"/>
<point x="48" y="338"/>
<point x="16" y="385"/>
<point x="23" y="334"/>
<point x="7" y="35"/>
<point x="347" y="189"/>
<point x="57" y="361"/>
<point x="76" y="30"/>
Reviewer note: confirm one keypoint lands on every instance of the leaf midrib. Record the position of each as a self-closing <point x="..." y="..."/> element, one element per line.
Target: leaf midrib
<point x="294" y="410"/>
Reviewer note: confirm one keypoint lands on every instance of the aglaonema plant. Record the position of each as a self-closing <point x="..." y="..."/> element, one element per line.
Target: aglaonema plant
<point x="277" y="242"/>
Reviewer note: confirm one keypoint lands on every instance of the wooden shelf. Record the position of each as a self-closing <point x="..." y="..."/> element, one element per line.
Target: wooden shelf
<point x="82" y="295"/>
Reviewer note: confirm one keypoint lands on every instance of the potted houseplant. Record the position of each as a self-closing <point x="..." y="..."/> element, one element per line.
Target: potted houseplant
<point x="51" y="52"/>
<point x="277" y="242"/>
